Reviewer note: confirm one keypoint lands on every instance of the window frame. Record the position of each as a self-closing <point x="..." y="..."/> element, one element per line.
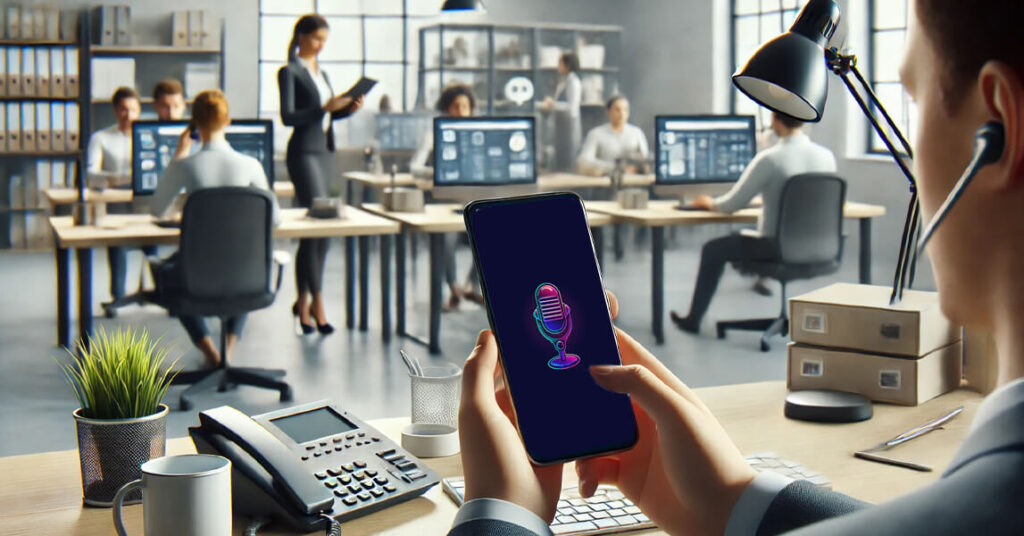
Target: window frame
<point x="734" y="17"/>
<point x="904" y="123"/>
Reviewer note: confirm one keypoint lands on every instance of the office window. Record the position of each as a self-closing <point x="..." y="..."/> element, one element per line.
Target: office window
<point x="753" y="23"/>
<point x="367" y="37"/>
<point x="888" y="32"/>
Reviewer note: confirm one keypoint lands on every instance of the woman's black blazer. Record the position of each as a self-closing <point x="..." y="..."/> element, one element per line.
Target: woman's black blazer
<point x="300" y="108"/>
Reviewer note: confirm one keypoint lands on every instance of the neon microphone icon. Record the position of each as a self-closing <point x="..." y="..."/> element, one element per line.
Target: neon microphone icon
<point x="554" y="324"/>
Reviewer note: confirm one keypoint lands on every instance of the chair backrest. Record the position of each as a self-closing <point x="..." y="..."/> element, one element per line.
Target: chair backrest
<point x="810" y="229"/>
<point x="226" y="244"/>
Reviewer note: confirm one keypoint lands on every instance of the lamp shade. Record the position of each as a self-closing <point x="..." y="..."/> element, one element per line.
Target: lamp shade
<point x="789" y="74"/>
<point x="463" y="5"/>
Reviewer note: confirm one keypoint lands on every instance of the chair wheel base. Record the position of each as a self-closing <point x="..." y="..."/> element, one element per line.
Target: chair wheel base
<point x="764" y="346"/>
<point x="721" y="332"/>
<point x="185" y="405"/>
<point x="286" y="394"/>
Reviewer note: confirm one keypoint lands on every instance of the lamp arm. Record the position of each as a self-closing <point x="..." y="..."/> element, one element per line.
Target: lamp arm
<point x="907" y="262"/>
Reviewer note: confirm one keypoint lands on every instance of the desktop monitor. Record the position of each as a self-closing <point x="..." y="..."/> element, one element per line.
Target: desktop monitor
<point x="154" y="143"/>
<point x="484" y="157"/>
<point x="402" y="131"/>
<point x="701" y="154"/>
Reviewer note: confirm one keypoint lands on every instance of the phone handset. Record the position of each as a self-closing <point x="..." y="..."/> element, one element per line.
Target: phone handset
<point x="290" y="475"/>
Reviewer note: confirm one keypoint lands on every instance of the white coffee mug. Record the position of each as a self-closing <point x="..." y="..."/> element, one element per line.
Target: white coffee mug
<point x="188" y="495"/>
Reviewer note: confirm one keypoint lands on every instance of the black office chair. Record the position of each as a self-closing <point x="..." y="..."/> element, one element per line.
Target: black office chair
<point x="809" y="244"/>
<point x="225" y="260"/>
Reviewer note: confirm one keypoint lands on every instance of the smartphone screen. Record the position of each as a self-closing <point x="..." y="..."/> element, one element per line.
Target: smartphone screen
<point x="549" y="313"/>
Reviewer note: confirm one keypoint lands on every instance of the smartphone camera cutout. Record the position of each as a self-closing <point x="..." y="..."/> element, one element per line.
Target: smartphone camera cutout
<point x="554" y="322"/>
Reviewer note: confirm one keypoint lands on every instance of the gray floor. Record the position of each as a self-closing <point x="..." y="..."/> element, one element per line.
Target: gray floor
<point x="356" y="369"/>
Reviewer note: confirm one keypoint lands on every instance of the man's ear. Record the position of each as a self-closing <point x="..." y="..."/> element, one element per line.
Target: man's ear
<point x="1003" y="92"/>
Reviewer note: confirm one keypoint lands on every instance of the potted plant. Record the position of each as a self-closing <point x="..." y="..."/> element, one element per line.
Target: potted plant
<point x="119" y="381"/>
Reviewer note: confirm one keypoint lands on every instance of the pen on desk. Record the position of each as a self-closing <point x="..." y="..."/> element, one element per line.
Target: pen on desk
<point x="891" y="461"/>
<point x="410" y="363"/>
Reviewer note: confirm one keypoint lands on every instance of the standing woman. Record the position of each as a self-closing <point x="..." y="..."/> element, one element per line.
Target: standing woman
<point x="568" y="130"/>
<point x="309" y="105"/>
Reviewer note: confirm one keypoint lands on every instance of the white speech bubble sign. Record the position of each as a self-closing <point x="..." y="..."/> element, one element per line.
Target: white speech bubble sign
<point x="519" y="90"/>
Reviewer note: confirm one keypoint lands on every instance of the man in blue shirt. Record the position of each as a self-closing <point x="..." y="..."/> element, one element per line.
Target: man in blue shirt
<point x="964" y="68"/>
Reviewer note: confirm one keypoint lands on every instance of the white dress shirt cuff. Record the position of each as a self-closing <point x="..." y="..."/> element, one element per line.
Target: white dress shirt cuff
<point x="497" y="509"/>
<point x="750" y="509"/>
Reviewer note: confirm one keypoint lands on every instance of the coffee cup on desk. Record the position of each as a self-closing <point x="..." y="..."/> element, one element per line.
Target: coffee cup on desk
<point x="188" y="495"/>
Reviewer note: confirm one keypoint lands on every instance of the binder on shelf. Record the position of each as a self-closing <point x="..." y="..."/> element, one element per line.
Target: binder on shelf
<point x="122" y="25"/>
<point x="57" y="138"/>
<point x="195" y="25"/>
<point x="3" y="68"/>
<point x="210" y="32"/>
<point x="43" y="137"/>
<point x="39" y="21"/>
<point x="52" y="24"/>
<point x="43" y="72"/>
<point x="27" y="21"/>
<point x="69" y="26"/>
<point x="13" y="127"/>
<point x="28" y="71"/>
<point x="179" y="28"/>
<point x="71" y="126"/>
<point x="3" y="22"/>
<point x="28" y="127"/>
<point x="16" y="192"/>
<point x="70" y="71"/>
<point x="18" y="231"/>
<point x="43" y="171"/>
<point x="57" y="88"/>
<point x="13" y="16"/>
<point x="3" y="126"/>
<point x="14" y="71"/>
<point x="29" y="188"/>
<point x="105" y="24"/>
<point x="58" y="174"/>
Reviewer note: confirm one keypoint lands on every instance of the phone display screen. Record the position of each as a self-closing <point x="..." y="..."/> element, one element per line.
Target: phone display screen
<point x="310" y="425"/>
<point x="549" y="312"/>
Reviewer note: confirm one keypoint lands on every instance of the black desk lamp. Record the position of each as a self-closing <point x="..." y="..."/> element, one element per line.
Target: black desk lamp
<point x="463" y="5"/>
<point x="787" y="75"/>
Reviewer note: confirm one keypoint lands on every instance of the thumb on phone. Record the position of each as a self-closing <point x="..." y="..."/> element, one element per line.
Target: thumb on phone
<point x="656" y="398"/>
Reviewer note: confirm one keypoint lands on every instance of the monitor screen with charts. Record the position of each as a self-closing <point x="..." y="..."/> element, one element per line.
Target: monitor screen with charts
<point x="402" y="132"/>
<point x="484" y="151"/>
<point x="703" y="149"/>
<point x="154" y="143"/>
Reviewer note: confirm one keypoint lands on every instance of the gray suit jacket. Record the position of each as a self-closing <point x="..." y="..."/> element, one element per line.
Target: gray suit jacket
<point x="981" y="492"/>
<point x="301" y="109"/>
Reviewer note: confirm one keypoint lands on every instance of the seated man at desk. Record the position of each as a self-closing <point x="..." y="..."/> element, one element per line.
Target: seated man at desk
<point x="109" y="159"/>
<point x="766" y="175"/>
<point x="455" y="101"/>
<point x="963" y="69"/>
<point x="617" y="139"/>
<point x="215" y="165"/>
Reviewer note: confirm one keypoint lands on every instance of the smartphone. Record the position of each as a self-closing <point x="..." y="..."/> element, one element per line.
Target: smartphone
<point x="549" y="313"/>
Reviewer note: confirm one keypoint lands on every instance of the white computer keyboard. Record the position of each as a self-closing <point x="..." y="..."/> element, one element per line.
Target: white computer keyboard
<point x="609" y="511"/>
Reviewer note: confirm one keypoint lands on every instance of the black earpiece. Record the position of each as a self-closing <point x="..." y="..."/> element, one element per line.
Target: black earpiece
<point x="989" y="143"/>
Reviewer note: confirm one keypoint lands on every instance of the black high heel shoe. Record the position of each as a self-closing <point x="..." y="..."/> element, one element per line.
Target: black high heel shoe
<point x="325" y="329"/>
<point x="300" y="328"/>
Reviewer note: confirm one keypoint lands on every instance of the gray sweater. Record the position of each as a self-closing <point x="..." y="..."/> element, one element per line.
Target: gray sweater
<point x="768" y="173"/>
<point x="215" y="165"/>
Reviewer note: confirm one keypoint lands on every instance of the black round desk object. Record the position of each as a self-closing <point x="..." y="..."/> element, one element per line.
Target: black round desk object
<point x="827" y="406"/>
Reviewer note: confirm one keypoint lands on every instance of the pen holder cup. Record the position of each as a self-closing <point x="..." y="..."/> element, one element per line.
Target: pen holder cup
<point x="435" y="395"/>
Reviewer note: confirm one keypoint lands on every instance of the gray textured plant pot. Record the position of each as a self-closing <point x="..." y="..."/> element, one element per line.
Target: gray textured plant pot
<point x="112" y="452"/>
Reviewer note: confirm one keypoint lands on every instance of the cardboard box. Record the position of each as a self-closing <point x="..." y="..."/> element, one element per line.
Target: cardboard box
<point x="898" y="380"/>
<point x="859" y="317"/>
<point x="980" y="362"/>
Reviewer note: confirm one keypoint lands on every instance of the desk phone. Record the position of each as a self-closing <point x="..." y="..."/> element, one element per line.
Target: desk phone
<point x="297" y="463"/>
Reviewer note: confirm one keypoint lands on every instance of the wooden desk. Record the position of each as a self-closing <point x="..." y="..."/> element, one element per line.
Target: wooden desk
<point x="43" y="492"/>
<point x="139" y="230"/>
<point x="67" y="196"/>
<point x="546" y="183"/>
<point x="660" y="214"/>
<point x="436" y="220"/>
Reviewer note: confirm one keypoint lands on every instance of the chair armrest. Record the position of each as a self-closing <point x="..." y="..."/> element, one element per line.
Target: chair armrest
<point x="281" y="259"/>
<point x="752" y="233"/>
